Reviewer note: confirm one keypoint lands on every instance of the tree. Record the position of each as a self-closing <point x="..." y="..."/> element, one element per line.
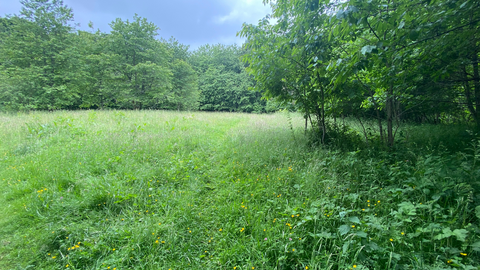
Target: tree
<point x="98" y="89"/>
<point x="223" y="82"/>
<point x="379" y="46"/>
<point x="141" y="62"/>
<point x="38" y="56"/>
<point x="184" y="94"/>
<point x="289" y="61"/>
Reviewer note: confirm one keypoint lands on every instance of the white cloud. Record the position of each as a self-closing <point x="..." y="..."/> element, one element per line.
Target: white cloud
<point x="249" y="11"/>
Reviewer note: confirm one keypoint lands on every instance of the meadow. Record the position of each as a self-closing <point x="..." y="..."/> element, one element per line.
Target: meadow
<point x="194" y="190"/>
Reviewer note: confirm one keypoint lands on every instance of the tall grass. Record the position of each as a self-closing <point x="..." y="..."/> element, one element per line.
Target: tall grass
<point x="189" y="190"/>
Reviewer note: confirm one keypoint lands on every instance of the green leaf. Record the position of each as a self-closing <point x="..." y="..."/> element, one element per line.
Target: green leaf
<point x="354" y="220"/>
<point x="361" y="234"/>
<point x="344" y="229"/>
<point x="446" y="232"/>
<point x="477" y="211"/>
<point x="345" y="247"/>
<point x="326" y="235"/>
<point x="407" y="208"/>
<point x="476" y="246"/>
<point x="461" y="234"/>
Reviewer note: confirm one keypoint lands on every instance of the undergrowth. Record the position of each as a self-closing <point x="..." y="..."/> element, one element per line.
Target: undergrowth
<point x="170" y="190"/>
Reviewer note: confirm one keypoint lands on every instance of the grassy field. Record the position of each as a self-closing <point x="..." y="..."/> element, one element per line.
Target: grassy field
<point x="192" y="190"/>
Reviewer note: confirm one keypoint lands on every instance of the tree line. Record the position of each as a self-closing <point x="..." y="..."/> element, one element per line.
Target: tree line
<point x="388" y="60"/>
<point x="46" y="64"/>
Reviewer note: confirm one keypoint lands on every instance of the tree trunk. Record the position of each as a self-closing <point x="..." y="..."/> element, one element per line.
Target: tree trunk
<point x="380" y="126"/>
<point x="323" y="115"/>
<point x="476" y="84"/>
<point x="468" y="96"/>
<point x="476" y="76"/>
<point x="390" y="107"/>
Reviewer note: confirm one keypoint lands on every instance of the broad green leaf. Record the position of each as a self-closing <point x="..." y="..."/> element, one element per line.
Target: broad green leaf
<point x="344" y="229"/>
<point x="361" y="234"/>
<point x="476" y="246"/>
<point x="354" y="220"/>
<point x="446" y="232"/>
<point x="345" y="247"/>
<point x="461" y="234"/>
<point x="407" y="208"/>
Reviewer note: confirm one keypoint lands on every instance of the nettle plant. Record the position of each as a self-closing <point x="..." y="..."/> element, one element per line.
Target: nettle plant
<point x="395" y="216"/>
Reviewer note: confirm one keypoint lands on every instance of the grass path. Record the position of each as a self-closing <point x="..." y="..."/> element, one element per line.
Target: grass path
<point x="90" y="175"/>
<point x="180" y="190"/>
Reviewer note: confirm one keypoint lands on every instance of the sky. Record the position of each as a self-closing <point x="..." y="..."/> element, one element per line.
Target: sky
<point x="191" y="22"/>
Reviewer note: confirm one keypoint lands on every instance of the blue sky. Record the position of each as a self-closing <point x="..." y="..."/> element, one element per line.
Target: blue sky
<point x="192" y="22"/>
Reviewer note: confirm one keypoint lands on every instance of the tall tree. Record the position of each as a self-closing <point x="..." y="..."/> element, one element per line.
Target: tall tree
<point x="223" y="81"/>
<point x="378" y="45"/>
<point x="37" y="56"/>
<point x="142" y="62"/>
<point x="184" y="94"/>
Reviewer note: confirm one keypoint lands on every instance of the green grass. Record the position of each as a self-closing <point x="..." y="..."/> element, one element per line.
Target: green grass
<point x="191" y="190"/>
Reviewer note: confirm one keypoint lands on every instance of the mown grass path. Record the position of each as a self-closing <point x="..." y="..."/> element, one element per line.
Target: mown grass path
<point x="145" y="189"/>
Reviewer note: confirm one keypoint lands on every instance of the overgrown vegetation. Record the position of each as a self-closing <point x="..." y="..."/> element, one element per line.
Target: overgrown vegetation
<point x="368" y="186"/>
<point x="379" y="59"/>
<point x="173" y="190"/>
